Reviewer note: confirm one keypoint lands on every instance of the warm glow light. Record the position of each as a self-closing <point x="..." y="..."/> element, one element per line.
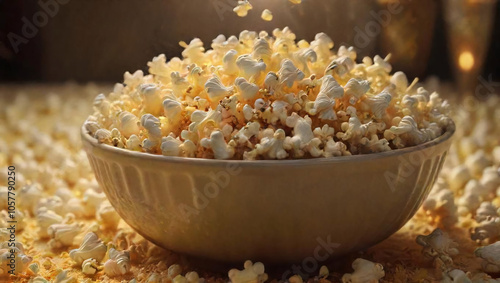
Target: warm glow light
<point x="466" y="61"/>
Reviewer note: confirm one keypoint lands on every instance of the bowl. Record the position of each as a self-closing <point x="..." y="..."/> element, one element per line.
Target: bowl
<point x="274" y="211"/>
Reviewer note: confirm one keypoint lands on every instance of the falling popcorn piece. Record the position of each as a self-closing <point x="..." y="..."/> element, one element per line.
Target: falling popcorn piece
<point x="242" y="9"/>
<point x="296" y="1"/>
<point x="267" y="15"/>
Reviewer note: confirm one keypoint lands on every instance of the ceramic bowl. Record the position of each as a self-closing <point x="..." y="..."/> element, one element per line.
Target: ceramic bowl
<point x="274" y="211"/>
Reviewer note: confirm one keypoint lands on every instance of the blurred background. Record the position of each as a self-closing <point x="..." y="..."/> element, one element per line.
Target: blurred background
<point x="98" y="40"/>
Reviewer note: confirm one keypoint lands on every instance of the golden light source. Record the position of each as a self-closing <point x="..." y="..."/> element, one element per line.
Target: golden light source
<point x="466" y="61"/>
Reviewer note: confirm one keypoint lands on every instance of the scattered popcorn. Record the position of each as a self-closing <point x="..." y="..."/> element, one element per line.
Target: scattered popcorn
<point x="62" y="235"/>
<point x="440" y="205"/>
<point x="29" y="196"/>
<point x="438" y="246"/>
<point x="22" y="261"/>
<point x="251" y="273"/>
<point x="91" y="247"/>
<point x="491" y="256"/>
<point x="193" y="277"/>
<point x="117" y="264"/>
<point x="90" y="266"/>
<point x="200" y="107"/>
<point x="364" y="271"/>
<point x="488" y="229"/>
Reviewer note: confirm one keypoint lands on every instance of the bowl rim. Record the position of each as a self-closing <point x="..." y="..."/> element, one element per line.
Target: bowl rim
<point x="450" y="130"/>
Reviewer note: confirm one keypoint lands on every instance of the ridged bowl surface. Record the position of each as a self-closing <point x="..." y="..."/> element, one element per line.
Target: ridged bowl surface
<point x="278" y="211"/>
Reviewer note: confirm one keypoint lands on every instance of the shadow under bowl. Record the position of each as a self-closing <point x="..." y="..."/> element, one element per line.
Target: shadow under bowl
<point x="274" y="211"/>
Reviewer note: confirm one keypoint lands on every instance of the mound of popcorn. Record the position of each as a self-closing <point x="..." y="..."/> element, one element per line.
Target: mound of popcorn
<point x="261" y="96"/>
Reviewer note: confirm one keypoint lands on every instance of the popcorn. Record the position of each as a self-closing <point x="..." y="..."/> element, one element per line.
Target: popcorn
<point x="29" y="196"/>
<point x="45" y="218"/>
<point x="489" y="229"/>
<point x="117" y="264"/>
<point x="90" y="266"/>
<point x="477" y="162"/>
<point x="364" y="271"/>
<point x="218" y="145"/>
<point x="325" y="101"/>
<point x="103" y="136"/>
<point x="267" y="15"/>
<point x="272" y="148"/>
<point x="270" y="80"/>
<point x="438" y="246"/>
<point x="91" y="248"/>
<point x="247" y="90"/>
<point x="216" y="90"/>
<point x="486" y="210"/>
<point x="251" y="273"/>
<point x="63" y="277"/>
<point x="323" y="272"/>
<point x="22" y="261"/>
<point x="458" y="177"/>
<point x="63" y="235"/>
<point x="107" y="216"/>
<point x="128" y="124"/>
<point x="249" y="67"/>
<point x="491" y="256"/>
<point x="243" y="7"/>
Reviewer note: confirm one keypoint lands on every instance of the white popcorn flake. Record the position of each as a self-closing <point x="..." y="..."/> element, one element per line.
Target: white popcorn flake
<point x="364" y="271"/>
<point x="242" y="9"/>
<point x="117" y="264"/>
<point x="90" y="248"/>
<point x="438" y="246"/>
<point x="267" y="15"/>
<point x="491" y="257"/>
<point x="63" y="235"/>
<point x="218" y="145"/>
<point x="90" y="266"/>
<point x="252" y="272"/>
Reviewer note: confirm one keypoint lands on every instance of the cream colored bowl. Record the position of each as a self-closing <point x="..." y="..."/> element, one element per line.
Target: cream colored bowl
<point x="274" y="211"/>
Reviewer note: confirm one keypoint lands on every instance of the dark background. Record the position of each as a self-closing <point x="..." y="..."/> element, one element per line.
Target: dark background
<point x="98" y="40"/>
